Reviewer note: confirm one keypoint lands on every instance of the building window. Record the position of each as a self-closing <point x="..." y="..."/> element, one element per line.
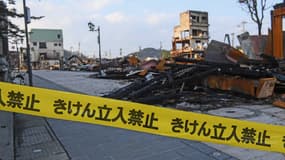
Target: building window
<point x="204" y="18"/>
<point x="55" y="44"/>
<point x="43" y="56"/>
<point x="35" y="43"/>
<point x="205" y="34"/>
<point x="195" y="32"/>
<point x="42" y="45"/>
<point x="198" y="19"/>
<point x="195" y="19"/>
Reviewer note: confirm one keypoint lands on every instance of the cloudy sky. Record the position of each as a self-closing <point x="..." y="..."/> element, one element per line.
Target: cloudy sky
<point x="130" y="24"/>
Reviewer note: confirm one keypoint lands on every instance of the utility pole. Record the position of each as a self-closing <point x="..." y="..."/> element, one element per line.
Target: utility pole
<point x="110" y="53"/>
<point x="233" y="39"/>
<point x="17" y="53"/>
<point x="243" y="25"/>
<point x="140" y="49"/>
<point x="160" y="49"/>
<point x="79" y="49"/>
<point x="121" y="52"/>
<point x="27" y="43"/>
<point x="92" y="29"/>
<point x="99" y="43"/>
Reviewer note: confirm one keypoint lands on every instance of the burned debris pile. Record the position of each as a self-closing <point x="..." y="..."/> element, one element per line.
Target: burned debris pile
<point x="225" y="76"/>
<point x="215" y="74"/>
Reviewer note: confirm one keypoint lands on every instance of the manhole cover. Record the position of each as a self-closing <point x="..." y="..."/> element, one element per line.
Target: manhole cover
<point x="233" y="112"/>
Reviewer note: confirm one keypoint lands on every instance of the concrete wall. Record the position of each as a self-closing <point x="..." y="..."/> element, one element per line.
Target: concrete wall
<point x="52" y="51"/>
<point x="192" y="33"/>
<point x="185" y="21"/>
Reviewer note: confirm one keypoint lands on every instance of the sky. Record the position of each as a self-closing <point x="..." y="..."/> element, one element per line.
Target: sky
<point x="130" y="24"/>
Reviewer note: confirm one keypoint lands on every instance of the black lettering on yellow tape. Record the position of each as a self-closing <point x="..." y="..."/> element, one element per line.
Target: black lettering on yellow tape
<point x="141" y="117"/>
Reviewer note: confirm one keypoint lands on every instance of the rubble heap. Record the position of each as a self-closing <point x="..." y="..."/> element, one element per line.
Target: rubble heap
<point x="205" y="81"/>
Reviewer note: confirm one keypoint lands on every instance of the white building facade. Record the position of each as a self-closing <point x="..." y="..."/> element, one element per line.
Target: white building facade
<point x="46" y="48"/>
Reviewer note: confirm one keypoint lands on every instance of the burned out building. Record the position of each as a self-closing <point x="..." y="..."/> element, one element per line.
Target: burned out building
<point x="191" y="36"/>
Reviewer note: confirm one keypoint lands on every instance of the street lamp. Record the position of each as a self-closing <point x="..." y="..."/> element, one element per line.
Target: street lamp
<point x="92" y="29"/>
<point x="27" y="20"/>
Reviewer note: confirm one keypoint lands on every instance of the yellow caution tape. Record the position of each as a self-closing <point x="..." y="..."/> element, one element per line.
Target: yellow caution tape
<point x="141" y="117"/>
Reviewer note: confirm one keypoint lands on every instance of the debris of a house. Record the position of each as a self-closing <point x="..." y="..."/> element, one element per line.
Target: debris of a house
<point x="279" y="103"/>
<point x="133" y="60"/>
<point x="259" y="88"/>
<point x="255" y="74"/>
<point x="223" y="68"/>
<point x="253" y="45"/>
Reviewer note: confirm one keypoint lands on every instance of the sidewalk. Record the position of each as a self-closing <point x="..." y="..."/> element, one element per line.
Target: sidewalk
<point x="35" y="140"/>
<point x="30" y="138"/>
<point x="6" y="136"/>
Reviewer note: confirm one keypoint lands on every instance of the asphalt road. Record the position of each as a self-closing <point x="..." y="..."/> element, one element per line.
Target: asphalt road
<point x="91" y="142"/>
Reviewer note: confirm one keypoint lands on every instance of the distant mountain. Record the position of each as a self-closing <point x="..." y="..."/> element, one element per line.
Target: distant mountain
<point x="68" y="54"/>
<point x="148" y="52"/>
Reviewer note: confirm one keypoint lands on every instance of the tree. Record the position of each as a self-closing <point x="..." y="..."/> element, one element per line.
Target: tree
<point x="256" y="9"/>
<point x="4" y="25"/>
<point x="9" y="31"/>
<point x="13" y="30"/>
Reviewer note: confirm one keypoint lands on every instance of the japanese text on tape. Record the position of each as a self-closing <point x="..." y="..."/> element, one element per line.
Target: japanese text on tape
<point x="141" y="117"/>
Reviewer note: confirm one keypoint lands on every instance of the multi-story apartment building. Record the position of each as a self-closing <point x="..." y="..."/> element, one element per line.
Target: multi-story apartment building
<point x="46" y="48"/>
<point x="191" y="37"/>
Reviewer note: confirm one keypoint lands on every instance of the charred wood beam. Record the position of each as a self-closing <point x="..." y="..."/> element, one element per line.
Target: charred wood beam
<point x="145" y="90"/>
<point x="153" y="84"/>
<point x="158" y="99"/>
<point x="191" y="70"/>
<point x="257" y="71"/>
<point x="196" y="77"/>
<point x="125" y="91"/>
<point x="182" y="72"/>
<point x="134" y="87"/>
<point x="179" y="59"/>
<point x="245" y="72"/>
<point x="279" y="76"/>
<point x="268" y="62"/>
